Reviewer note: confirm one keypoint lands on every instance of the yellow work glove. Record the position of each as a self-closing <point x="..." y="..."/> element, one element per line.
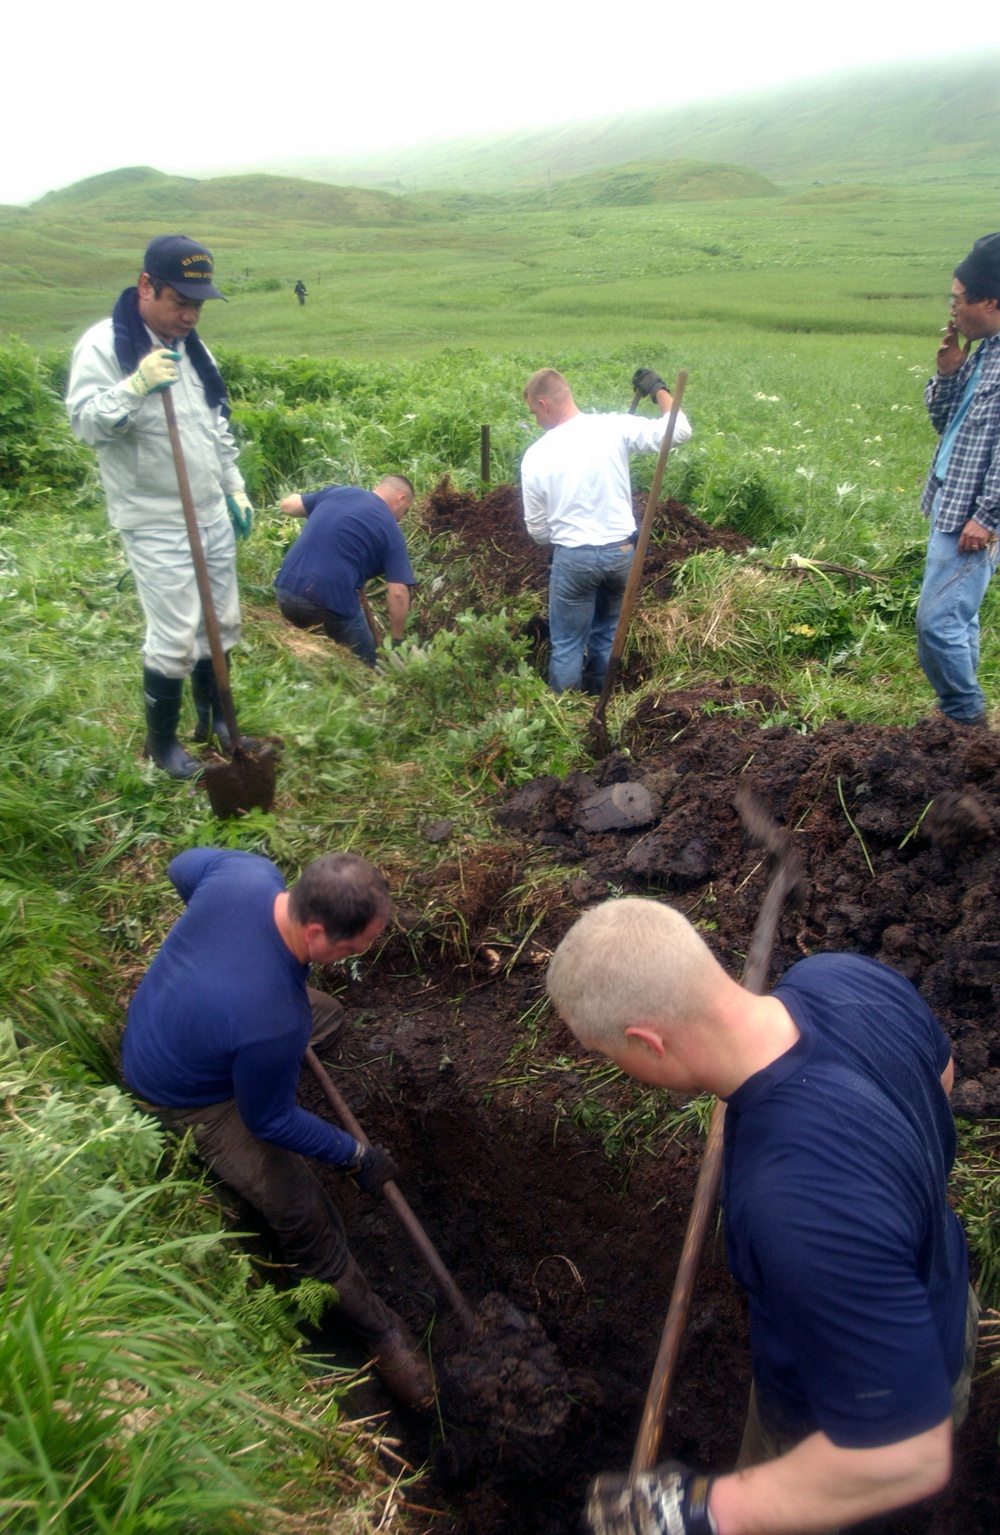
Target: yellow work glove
<point x="240" y="513"/>
<point x="158" y="370"/>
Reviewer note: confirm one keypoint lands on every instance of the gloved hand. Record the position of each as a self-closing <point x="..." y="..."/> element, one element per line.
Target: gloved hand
<point x="373" y="1167"/>
<point x="158" y="370"/>
<point x="647" y="382"/>
<point x="672" y="1500"/>
<point x="240" y="513"/>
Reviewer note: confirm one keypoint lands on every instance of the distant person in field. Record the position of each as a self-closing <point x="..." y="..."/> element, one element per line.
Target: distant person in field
<point x="350" y="536"/>
<point x="300" y="291"/>
<point x="838" y="1143"/>
<point x="578" y="500"/>
<point x="120" y="367"/>
<point x="214" y="1043"/>
<point x="962" y="493"/>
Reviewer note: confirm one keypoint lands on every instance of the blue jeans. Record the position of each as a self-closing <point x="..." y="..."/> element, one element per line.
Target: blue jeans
<point x="586" y="587"/>
<point x="351" y="631"/>
<point x="948" y="623"/>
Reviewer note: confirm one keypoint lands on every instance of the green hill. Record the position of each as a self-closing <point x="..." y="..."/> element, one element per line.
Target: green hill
<point x="916" y="120"/>
<point x="660" y="181"/>
<point x="139" y="192"/>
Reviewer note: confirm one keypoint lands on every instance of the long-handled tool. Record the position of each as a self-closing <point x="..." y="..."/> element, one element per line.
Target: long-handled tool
<point x="375" y="628"/>
<point x="597" y="731"/>
<point x="787" y="876"/>
<point x="397" y="1200"/>
<point x="248" y="780"/>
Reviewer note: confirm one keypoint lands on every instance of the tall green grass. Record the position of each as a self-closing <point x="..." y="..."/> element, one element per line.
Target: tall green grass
<point x="145" y="1383"/>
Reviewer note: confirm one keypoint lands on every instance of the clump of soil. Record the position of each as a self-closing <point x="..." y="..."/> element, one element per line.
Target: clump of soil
<point x="510" y="1391"/>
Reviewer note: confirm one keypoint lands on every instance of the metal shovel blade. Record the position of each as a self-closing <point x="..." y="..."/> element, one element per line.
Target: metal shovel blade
<point x="247" y="782"/>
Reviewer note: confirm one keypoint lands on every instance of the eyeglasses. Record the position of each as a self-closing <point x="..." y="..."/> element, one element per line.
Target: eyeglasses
<point x="956" y="299"/>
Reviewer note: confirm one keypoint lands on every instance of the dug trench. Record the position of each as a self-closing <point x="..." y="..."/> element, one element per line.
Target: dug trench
<point x="500" y="1127"/>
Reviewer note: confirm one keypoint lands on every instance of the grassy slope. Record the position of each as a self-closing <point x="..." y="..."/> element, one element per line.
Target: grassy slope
<point x="830" y="259"/>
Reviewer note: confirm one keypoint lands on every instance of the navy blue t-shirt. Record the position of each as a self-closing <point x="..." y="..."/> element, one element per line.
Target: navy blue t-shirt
<point x="349" y="536"/>
<point x="837" y="1158"/>
<point x="222" y="1011"/>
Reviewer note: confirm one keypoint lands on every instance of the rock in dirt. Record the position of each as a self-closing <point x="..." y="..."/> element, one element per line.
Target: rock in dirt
<point x="622" y="807"/>
<point x="437" y="831"/>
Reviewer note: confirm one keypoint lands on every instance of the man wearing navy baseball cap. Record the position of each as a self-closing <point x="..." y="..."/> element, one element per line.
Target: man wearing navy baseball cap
<point x="119" y="367"/>
<point x="962" y="494"/>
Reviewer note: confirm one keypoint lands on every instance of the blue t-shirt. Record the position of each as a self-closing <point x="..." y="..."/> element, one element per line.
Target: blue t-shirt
<point x="222" y="1011"/>
<point x="837" y="1158"/>
<point x="349" y="536"/>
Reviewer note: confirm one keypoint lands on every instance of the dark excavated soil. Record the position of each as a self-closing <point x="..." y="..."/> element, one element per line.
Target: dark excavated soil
<point x="492" y="531"/>
<point x="898" y="833"/>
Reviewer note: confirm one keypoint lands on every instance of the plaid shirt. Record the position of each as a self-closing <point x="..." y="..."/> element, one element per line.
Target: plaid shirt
<point x="972" y="486"/>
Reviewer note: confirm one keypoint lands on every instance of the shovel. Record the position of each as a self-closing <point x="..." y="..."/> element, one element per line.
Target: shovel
<point x="787" y="878"/>
<point x="247" y="782"/>
<point x="597" y="731"/>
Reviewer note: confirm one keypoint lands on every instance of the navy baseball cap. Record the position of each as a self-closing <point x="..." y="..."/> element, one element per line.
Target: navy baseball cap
<point x="183" y="263"/>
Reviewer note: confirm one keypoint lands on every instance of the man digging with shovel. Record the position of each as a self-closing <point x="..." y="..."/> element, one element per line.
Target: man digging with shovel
<point x="214" y="1044"/>
<point x="838" y="1144"/>
<point x="120" y="367"/>
<point x="578" y="500"/>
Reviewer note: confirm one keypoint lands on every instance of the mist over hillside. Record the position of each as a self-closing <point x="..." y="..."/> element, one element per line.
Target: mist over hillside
<point x="916" y="119"/>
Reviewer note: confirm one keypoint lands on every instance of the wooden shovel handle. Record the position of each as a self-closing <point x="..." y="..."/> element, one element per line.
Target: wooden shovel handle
<point x="642" y="543"/>
<point x="219" y="664"/>
<point x="396" y="1198"/>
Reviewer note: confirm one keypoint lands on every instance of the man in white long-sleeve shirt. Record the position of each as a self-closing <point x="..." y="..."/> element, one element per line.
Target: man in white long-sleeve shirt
<point x="578" y="499"/>
<point x="120" y="367"/>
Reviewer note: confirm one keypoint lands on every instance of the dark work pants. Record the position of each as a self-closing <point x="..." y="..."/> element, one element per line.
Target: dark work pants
<point x="352" y="631"/>
<point x="280" y="1184"/>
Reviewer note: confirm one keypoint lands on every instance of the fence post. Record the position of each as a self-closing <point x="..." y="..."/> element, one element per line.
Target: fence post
<point x="484" y="454"/>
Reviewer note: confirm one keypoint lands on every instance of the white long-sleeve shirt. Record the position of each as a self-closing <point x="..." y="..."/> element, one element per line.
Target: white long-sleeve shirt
<point x="130" y="435"/>
<point x="575" y="479"/>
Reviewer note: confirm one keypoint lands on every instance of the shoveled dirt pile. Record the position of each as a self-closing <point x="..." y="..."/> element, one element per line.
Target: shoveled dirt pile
<point x="897" y="830"/>
<point x="492" y="531"/>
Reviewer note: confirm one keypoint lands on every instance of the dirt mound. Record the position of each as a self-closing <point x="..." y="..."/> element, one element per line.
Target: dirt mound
<point x="897" y="829"/>
<point x="492" y="531"/>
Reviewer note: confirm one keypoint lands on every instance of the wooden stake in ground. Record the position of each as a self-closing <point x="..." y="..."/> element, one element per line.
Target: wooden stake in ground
<point x="597" y="732"/>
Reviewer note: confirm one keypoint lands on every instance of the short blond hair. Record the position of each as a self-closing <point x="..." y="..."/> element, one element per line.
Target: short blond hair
<point x="547" y="384"/>
<point x="631" y="962"/>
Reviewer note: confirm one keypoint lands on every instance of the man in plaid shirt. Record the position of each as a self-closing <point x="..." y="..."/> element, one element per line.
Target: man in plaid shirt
<point x="962" y="494"/>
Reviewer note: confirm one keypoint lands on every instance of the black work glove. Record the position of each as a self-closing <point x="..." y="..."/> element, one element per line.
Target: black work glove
<point x="672" y="1500"/>
<point x="647" y="382"/>
<point x="373" y="1168"/>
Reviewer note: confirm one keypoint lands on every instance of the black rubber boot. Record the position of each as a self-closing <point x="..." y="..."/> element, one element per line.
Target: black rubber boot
<point x="399" y="1359"/>
<point x="162" y="697"/>
<point x="208" y="708"/>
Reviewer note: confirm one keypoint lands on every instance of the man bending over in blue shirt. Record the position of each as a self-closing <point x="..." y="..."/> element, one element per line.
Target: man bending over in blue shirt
<point x="350" y="536"/>
<point x="214" y="1044"/>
